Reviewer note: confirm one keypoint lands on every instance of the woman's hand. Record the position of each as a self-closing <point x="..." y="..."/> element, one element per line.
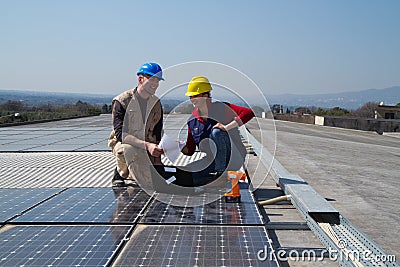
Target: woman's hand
<point x="220" y="126"/>
<point x="228" y="127"/>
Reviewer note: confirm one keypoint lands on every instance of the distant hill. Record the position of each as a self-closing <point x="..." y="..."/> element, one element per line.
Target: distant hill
<point x="347" y="100"/>
<point x="32" y="98"/>
<point x="37" y="99"/>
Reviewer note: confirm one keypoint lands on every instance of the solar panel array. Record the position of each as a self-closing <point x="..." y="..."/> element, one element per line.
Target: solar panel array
<point x="90" y="226"/>
<point x="57" y="209"/>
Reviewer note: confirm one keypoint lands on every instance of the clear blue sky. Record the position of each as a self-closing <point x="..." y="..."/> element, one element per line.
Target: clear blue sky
<point x="284" y="46"/>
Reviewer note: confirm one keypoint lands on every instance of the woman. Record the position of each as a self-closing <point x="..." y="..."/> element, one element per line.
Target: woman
<point x="218" y="122"/>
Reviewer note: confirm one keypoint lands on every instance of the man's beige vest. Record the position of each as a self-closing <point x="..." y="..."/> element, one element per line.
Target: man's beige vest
<point x="133" y="116"/>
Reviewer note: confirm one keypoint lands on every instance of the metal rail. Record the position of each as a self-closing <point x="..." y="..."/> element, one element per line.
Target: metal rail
<point x="343" y="241"/>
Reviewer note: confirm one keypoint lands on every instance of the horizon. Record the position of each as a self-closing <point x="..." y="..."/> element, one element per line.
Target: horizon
<point x="345" y="100"/>
<point x="109" y="94"/>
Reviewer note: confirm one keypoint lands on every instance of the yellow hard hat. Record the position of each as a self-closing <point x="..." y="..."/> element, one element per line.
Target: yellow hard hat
<point x="198" y="85"/>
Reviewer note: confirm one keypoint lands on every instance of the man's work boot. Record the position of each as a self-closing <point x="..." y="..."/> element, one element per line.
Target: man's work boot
<point x="117" y="180"/>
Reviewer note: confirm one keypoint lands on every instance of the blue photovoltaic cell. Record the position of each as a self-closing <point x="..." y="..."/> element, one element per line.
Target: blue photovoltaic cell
<point x="16" y="200"/>
<point x="54" y="139"/>
<point x="216" y="212"/>
<point x="162" y="245"/>
<point x="53" y="147"/>
<point x="90" y="205"/>
<point x="59" y="245"/>
<point x="15" y="147"/>
<point x="75" y="141"/>
<point x="95" y="147"/>
<point x="36" y="141"/>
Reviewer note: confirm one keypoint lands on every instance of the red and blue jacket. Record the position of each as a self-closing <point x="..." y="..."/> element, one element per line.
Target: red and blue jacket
<point x="222" y="112"/>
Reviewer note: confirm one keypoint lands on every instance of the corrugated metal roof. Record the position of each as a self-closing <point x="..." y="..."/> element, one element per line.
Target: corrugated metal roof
<point x="63" y="169"/>
<point x="56" y="169"/>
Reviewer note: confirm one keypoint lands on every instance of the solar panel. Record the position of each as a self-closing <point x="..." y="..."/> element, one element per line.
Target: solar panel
<point x="216" y="212"/>
<point x="164" y="245"/>
<point x="90" y="205"/>
<point x="53" y="147"/>
<point x="101" y="146"/>
<point x="54" y="139"/>
<point x="16" y="138"/>
<point x="59" y="245"/>
<point x="15" y="147"/>
<point x="74" y="141"/>
<point x="37" y="141"/>
<point x="15" y="201"/>
<point x="13" y="131"/>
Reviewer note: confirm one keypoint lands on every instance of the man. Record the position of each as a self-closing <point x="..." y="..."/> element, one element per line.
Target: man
<point x="137" y="125"/>
<point x="218" y="122"/>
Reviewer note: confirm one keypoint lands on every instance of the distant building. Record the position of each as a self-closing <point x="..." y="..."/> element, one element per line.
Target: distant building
<point x="387" y="112"/>
<point x="302" y="111"/>
<point x="277" y="109"/>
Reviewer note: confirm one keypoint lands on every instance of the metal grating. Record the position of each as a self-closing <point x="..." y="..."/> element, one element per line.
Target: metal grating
<point x="349" y="237"/>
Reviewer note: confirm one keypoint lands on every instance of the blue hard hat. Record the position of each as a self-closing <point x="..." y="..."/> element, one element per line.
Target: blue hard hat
<point x="152" y="69"/>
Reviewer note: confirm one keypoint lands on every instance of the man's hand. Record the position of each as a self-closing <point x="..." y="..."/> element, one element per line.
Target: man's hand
<point x="154" y="150"/>
<point x="157" y="161"/>
<point x="185" y="150"/>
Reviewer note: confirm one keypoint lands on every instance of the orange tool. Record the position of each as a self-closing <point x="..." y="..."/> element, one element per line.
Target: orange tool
<point x="234" y="195"/>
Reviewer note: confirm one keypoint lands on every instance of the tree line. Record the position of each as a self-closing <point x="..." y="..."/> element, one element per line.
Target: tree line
<point x="365" y="111"/>
<point x="17" y="111"/>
